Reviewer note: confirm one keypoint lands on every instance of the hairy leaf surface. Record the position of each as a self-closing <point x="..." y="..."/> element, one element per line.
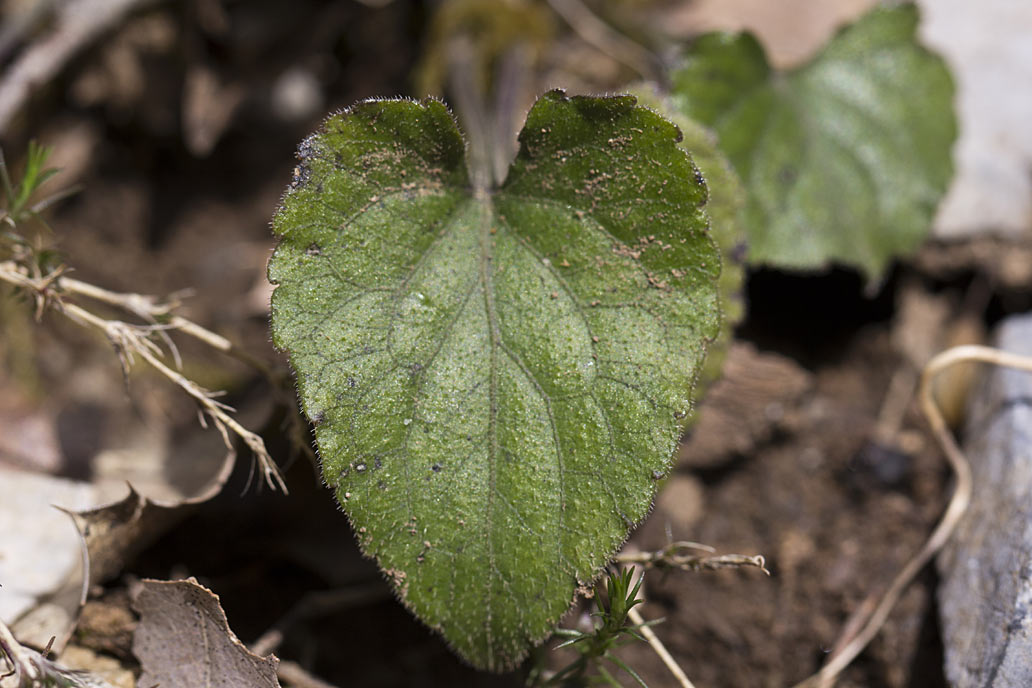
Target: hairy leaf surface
<point x="844" y="159"/>
<point x="725" y="207"/>
<point x="497" y="377"/>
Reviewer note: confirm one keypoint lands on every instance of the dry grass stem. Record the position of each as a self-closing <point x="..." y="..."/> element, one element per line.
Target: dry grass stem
<point x="20" y="662"/>
<point x="316" y="604"/>
<point x="675" y="555"/>
<point x="150" y="309"/>
<point x="132" y="340"/>
<point x="296" y="676"/>
<point x="659" y="648"/>
<point x="31" y="669"/>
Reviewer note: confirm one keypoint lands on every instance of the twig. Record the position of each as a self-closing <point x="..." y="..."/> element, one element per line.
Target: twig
<point x="671" y="556"/>
<point x="297" y="677"/>
<point x="152" y="310"/>
<point x="895" y="404"/>
<point x="657" y="646"/>
<point x="147" y="308"/>
<point x="79" y="23"/>
<point x="130" y="340"/>
<point x="954" y="510"/>
<point x="312" y="604"/>
<point x="19" y="22"/>
<point x="21" y="661"/>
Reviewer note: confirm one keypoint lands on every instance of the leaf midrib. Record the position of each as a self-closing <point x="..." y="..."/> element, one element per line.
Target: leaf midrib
<point x="485" y="267"/>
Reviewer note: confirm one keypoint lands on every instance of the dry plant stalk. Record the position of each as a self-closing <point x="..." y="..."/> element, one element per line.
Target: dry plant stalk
<point x="296" y="675"/>
<point x="131" y="340"/>
<point x="659" y="648"/>
<point x="675" y="556"/>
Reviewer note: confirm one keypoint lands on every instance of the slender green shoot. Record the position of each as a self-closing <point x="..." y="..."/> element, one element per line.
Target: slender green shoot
<point x="612" y="629"/>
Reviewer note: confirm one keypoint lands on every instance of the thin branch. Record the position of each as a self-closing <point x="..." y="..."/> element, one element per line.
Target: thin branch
<point x="954" y="511"/>
<point x="894" y="405"/>
<point x="134" y="340"/>
<point x="129" y="339"/>
<point x="317" y="604"/>
<point x="18" y="23"/>
<point x="21" y="660"/>
<point x="147" y="308"/>
<point x="673" y="556"/>
<point x="297" y="677"/>
<point x="151" y="309"/>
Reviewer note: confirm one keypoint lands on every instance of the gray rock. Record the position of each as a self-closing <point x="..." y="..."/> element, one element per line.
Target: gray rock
<point x="985" y="600"/>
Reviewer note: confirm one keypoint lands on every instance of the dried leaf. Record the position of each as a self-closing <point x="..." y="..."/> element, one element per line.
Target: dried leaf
<point x="184" y="639"/>
<point x="43" y="577"/>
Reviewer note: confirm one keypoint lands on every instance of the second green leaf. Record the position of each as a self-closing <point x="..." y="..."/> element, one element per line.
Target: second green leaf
<point x="844" y="159"/>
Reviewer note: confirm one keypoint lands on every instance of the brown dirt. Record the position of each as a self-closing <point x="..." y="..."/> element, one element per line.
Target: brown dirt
<point x="835" y="514"/>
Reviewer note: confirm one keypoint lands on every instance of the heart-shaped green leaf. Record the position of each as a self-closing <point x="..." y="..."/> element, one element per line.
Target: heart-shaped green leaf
<point x="844" y="159"/>
<point x="497" y="377"/>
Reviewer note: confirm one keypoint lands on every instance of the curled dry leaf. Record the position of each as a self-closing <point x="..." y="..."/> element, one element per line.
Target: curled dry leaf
<point x="184" y="639"/>
<point x="47" y="596"/>
<point x="114" y="532"/>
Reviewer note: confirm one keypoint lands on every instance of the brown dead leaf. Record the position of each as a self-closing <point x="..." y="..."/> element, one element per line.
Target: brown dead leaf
<point x="184" y="639"/>
<point x="115" y="532"/>
<point x="109" y="536"/>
